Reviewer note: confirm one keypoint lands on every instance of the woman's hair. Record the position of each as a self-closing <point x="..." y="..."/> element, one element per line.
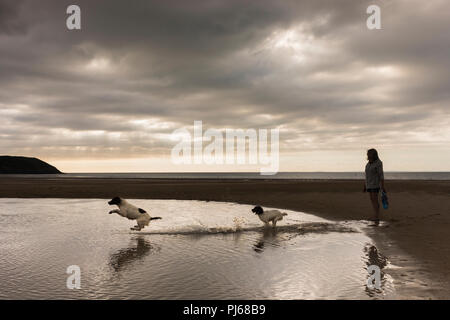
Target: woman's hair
<point x="373" y="153"/>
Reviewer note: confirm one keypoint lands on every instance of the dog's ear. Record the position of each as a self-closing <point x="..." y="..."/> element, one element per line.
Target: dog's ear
<point x="258" y="210"/>
<point x="115" y="200"/>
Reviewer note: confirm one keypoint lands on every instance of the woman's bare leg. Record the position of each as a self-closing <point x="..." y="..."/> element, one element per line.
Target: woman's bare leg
<point x="375" y="205"/>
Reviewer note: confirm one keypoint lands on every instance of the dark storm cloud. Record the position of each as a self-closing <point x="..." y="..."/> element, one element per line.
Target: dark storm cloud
<point x="311" y="68"/>
<point x="9" y="14"/>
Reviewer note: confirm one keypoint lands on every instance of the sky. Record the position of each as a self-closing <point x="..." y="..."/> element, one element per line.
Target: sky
<point x="108" y="97"/>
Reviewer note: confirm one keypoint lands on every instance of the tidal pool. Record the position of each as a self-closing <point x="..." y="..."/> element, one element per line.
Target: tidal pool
<point x="199" y="250"/>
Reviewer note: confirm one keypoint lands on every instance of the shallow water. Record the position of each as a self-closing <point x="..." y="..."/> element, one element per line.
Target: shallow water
<point x="199" y="250"/>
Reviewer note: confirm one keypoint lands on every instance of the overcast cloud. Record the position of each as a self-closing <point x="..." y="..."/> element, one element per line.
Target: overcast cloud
<point x="140" y="69"/>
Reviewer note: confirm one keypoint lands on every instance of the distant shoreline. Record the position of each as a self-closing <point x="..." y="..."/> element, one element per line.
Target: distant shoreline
<point x="299" y="176"/>
<point x="25" y="165"/>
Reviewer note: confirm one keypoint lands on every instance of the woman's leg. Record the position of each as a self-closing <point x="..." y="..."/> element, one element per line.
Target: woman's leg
<point x="375" y="204"/>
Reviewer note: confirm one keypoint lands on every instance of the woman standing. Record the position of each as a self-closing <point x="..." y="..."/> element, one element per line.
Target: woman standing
<point x="374" y="180"/>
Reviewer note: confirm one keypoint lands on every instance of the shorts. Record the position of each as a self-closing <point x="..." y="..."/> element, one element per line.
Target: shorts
<point x="374" y="190"/>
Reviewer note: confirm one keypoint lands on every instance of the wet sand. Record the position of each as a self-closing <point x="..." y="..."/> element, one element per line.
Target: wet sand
<point x="417" y="223"/>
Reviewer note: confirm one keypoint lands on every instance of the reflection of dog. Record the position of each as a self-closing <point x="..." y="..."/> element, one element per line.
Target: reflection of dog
<point x="131" y="212"/>
<point x="138" y="249"/>
<point x="269" y="216"/>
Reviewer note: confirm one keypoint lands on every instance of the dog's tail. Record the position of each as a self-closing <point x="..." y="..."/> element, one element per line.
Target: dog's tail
<point x="155" y="218"/>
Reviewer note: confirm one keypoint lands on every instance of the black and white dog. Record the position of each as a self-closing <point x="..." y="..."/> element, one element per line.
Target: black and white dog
<point x="269" y="216"/>
<point x="131" y="212"/>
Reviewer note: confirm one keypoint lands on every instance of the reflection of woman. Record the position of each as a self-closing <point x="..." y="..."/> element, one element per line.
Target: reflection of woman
<point x="374" y="180"/>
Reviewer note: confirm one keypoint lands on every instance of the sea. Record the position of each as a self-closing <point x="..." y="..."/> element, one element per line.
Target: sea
<point x="243" y="175"/>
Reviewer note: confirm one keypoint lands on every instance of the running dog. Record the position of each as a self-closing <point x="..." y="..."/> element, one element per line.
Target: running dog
<point x="269" y="216"/>
<point x="127" y="210"/>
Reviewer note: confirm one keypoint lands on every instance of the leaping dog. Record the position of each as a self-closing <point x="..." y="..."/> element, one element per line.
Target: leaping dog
<point x="127" y="210"/>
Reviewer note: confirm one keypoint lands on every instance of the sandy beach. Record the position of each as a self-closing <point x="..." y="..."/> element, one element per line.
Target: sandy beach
<point x="416" y="224"/>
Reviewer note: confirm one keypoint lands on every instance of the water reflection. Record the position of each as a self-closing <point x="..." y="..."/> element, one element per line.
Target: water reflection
<point x="374" y="257"/>
<point x="268" y="234"/>
<point x="275" y="236"/>
<point x="139" y="248"/>
<point x="295" y="260"/>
